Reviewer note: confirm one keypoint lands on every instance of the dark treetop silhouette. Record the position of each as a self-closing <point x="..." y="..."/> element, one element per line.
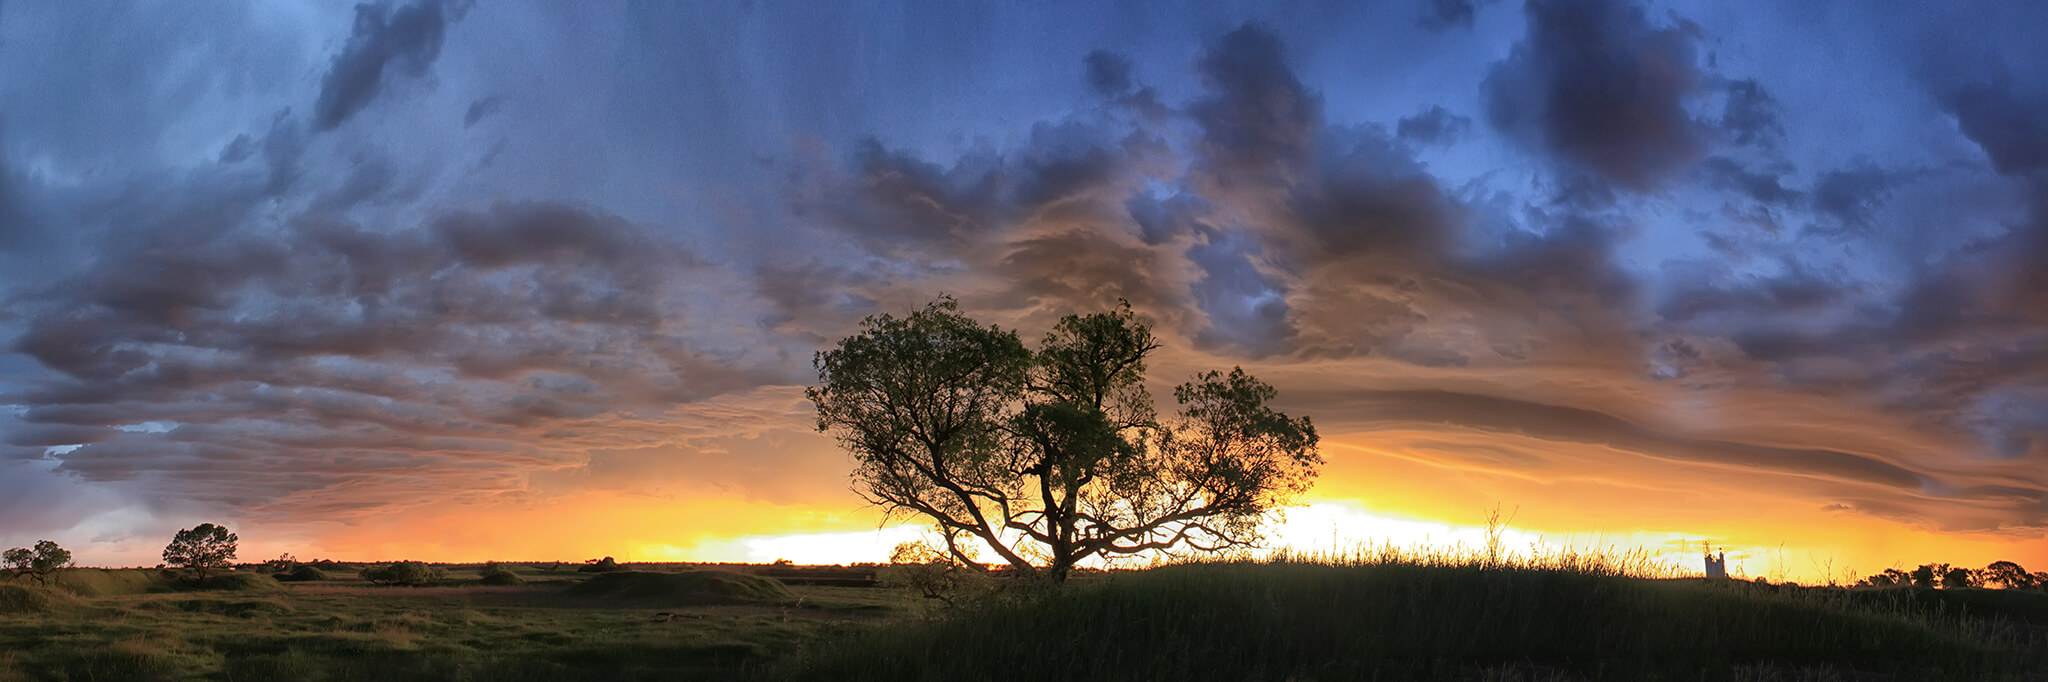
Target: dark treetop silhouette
<point x="202" y="547"/>
<point x="37" y="563"/>
<point x="1054" y="456"/>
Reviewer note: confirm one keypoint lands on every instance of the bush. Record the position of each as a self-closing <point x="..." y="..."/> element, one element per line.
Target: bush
<point x="932" y="573"/>
<point x="409" y="573"/>
<point x="605" y="565"/>
<point x="500" y="575"/>
<point x="304" y="573"/>
<point x="236" y="582"/>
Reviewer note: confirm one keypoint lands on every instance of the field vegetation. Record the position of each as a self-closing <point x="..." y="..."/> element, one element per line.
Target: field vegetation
<point x="1370" y="614"/>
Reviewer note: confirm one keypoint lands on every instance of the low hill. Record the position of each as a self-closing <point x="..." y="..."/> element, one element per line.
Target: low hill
<point x="24" y="599"/>
<point x="1308" y="621"/>
<point x="107" y="582"/>
<point x="671" y="590"/>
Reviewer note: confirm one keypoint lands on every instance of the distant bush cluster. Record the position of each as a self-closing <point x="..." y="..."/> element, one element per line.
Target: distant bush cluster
<point x="407" y="573"/>
<point x="605" y="565"/>
<point x="494" y="573"/>
<point x="2000" y="574"/>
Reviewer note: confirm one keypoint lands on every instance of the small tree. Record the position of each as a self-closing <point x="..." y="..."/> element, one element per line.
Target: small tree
<point x="206" y="546"/>
<point x="2008" y="575"/>
<point x="1958" y="576"/>
<point x="1053" y="456"/>
<point x="37" y="563"/>
<point x="1927" y="574"/>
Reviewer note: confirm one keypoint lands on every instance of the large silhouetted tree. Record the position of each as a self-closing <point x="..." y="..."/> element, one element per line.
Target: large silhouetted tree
<point x="1052" y="456"/>
<point x="200" y="548"/>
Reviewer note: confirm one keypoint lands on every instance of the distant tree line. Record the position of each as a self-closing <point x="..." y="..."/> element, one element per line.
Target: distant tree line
<point x="1999" y="574"/>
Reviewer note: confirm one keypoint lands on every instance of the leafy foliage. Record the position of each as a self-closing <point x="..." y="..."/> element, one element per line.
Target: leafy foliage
<point x="37" y="563"/>
<point x="932" y="573"/>
<point x="202" y="547"/>
<point x="494" y="573"/>
<point x="1053" y="456"/>
<point x="2008" y="575"/>
<point x="304" y="573"/>
<point x="408" y="573"/>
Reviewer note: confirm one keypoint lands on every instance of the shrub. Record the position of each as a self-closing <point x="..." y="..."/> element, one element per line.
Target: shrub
<point x="238" y="582"/>
<point x="605" y="565"/>
<point x="409" y="573"/>
<point x="932" y="573"/>
<point x="499" y="575"/>
<point x="304" y="573"/>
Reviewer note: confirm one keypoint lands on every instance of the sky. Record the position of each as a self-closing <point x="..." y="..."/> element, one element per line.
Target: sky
<point x="456" y="281"/>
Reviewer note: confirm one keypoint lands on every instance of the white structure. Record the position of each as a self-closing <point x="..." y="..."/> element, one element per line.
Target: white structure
<point x="1717" y="566"/>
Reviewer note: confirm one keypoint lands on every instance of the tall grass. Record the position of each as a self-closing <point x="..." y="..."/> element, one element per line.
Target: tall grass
<point x="1392" y="613"/>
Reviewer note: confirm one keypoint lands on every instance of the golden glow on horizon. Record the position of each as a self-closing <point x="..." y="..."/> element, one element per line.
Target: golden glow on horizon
<point x="1367" y="496"/>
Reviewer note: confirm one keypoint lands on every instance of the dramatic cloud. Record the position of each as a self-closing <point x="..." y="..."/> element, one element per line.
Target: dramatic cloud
<point x="1596" y="84"/>
<point x="387" y="41"/>
<point x="563" y="265"/>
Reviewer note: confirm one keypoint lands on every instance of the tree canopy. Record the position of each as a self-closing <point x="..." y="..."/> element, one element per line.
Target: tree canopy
<point x="202" y="547"/>
<point x="1051" y="456"/>
<point x="37" y="563"/>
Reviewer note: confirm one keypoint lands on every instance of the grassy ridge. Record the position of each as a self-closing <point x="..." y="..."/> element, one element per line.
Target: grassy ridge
<point x="1383" y="616"/>
<point x="1296" y="620"/>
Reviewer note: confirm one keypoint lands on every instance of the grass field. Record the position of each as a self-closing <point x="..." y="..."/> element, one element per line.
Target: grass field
<point x="1386" y="616"/>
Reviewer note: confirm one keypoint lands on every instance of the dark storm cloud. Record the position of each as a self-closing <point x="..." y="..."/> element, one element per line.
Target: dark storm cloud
<point x="1259" y="121"/>
<point x="388" y="40"/>
<point x="1851" y="197"/>
<point x="16" y="230"/>
<point x="1751" y="115"/>
<point x="437" y="350"/>
<point x="1765" y="186"/>
<point x="1598" y="86"/>
<point x="1434" y="125"/>
<point x="1109" y="73"/>
<point x="1438" y="15"/>
<point x="2007" y="124"/>
<point x="1368" y="195"/>
<point x="895" y="200"/>
<point x="1796" y="291"/>
<point x="480" y="109"/>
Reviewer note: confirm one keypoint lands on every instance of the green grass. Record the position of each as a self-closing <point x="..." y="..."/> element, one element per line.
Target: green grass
<point x="346" y="629"/>
<point x="1385" y="616"/>
<point x="688" y="588"/>
<point x="100" y="582"/>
